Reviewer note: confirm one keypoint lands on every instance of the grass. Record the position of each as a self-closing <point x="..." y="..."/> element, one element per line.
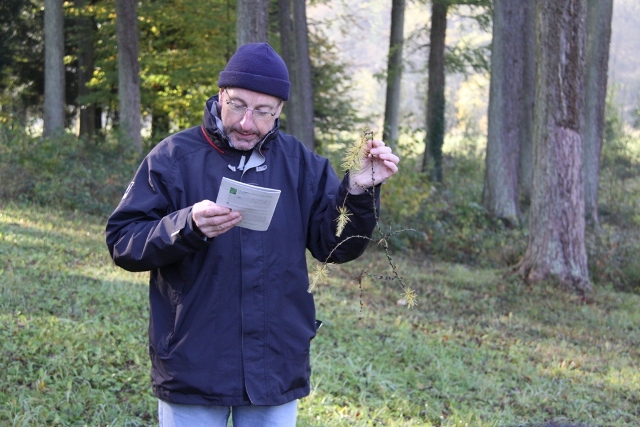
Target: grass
<point x="480" y="349"/>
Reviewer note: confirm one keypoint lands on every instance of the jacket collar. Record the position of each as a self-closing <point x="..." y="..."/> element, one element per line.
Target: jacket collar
<point x="212" y="124"/>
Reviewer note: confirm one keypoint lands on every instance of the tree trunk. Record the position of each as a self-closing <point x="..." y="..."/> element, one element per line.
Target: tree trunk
<point x="528" y="95"/>
<point x="252" y="21"/>
<point x="599" y="15"/>
<point x="288" y="55"/>
<point x="303" y="73"/>
<point x="160" y="125"/>
<point x="394" y="74"/>
<point x="436" y="87"/>
<point x="98" y="119"/>
<point x="54" y="81"/>
<point x="557" y="226"/>
<point x="128" y="72"/>
<point x="508" y="118"/>
<point x="294" y="39"/>
<point x="85" y="71"/>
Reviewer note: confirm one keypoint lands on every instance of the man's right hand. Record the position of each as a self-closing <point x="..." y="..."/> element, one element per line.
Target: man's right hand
<point x="213" y="220"/>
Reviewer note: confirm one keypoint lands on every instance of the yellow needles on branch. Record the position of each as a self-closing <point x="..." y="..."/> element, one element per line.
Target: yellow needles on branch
<point x="353" y="161"/>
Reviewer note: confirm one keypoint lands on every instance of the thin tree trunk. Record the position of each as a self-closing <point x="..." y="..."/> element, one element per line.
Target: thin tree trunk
<point x="128" y="72"/>
<point x="527" y="102"/>
<point x="599" y="15"/>
<point x="294" y="39"/>
<point x="436" y="88"/>
<point x="303" y="72"/>
<point x="85" y="72"/>
<point x="252" y="21"/>
<point x="98" y="119"/>
<point x="54" y="80"/>
<point x="394" y="74"/>
<point x="288" y="55"/>
<point x="557" y="226"/>
<point x="507" y="111"/>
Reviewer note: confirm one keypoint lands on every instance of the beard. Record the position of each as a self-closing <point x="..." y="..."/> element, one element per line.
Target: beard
<point x="241" y="140"/>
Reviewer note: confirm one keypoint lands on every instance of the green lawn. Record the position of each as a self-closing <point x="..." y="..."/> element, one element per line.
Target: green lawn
<point x="478" y="350"/>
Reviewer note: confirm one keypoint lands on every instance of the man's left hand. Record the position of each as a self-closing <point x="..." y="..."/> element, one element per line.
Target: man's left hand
<point x="379" y="164"/>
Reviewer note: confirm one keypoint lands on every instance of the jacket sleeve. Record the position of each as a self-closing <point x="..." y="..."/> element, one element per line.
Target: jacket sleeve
<point x="323" y="243"/>
<point x="147" y="230"/>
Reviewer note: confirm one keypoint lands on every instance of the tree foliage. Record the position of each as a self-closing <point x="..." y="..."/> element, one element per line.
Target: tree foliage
<point x="335" y="108"/>
<point x="21" y="58"/>
<point x="443" y="59"/>
<point x="182" y="51"/>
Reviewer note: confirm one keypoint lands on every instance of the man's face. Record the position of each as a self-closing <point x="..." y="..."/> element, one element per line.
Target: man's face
<point x="247" y="116"/>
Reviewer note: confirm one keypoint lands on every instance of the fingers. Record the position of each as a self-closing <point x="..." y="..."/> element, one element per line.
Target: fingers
<point x="213" y="220"/>
<point x="375" y="145"/>
<point x="379" y="165"/>
<point x="392" y="165"/>
<point x="378" y="150"/>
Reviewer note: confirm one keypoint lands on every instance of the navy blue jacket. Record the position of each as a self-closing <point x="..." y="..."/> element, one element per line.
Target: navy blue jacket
<point x="231" y="318"/>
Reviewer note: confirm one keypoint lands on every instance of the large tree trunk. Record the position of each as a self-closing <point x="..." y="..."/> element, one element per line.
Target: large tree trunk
<point x="252" y="21"/>
<point x="394" y="74"/>
<point x="508" y="118"/>
<point x="54" y="81"/>
<point x="85" y="71"/>
<point x="128" y="72"/>
<point x="599" y="14"/>
<point x="557" y="227"/>
<point x="294" y="39"/>
<point x="436" y="87"/>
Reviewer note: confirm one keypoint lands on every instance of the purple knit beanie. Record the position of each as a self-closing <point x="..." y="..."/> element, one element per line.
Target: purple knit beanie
<point x="257" y="67"/>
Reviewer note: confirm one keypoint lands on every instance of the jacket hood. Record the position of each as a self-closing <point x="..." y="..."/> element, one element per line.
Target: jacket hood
<point x="212" y="123"/>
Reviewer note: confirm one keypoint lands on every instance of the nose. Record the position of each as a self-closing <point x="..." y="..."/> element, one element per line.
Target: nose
<point x="247" y="120"/>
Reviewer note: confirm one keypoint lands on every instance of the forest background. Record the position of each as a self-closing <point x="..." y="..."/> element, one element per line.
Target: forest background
<point x="485" y="345"/>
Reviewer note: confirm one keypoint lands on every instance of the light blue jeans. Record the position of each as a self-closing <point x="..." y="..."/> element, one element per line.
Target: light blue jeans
<point x="174" y="415"/>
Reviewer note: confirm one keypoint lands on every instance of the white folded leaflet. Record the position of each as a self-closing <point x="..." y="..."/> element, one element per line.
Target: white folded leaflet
<point x="256" y="204"/>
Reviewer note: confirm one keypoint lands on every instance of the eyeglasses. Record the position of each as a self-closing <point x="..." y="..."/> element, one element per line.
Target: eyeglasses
<point x="257" y="114"/>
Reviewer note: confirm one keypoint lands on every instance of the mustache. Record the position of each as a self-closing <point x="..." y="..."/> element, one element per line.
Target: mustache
<point x="239" y="130"/>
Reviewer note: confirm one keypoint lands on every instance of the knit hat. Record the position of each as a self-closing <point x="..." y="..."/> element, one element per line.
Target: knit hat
<point x="257" y="67"/>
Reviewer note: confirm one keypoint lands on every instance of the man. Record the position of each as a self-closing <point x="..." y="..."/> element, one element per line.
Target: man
<point x="231" y="317"/>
